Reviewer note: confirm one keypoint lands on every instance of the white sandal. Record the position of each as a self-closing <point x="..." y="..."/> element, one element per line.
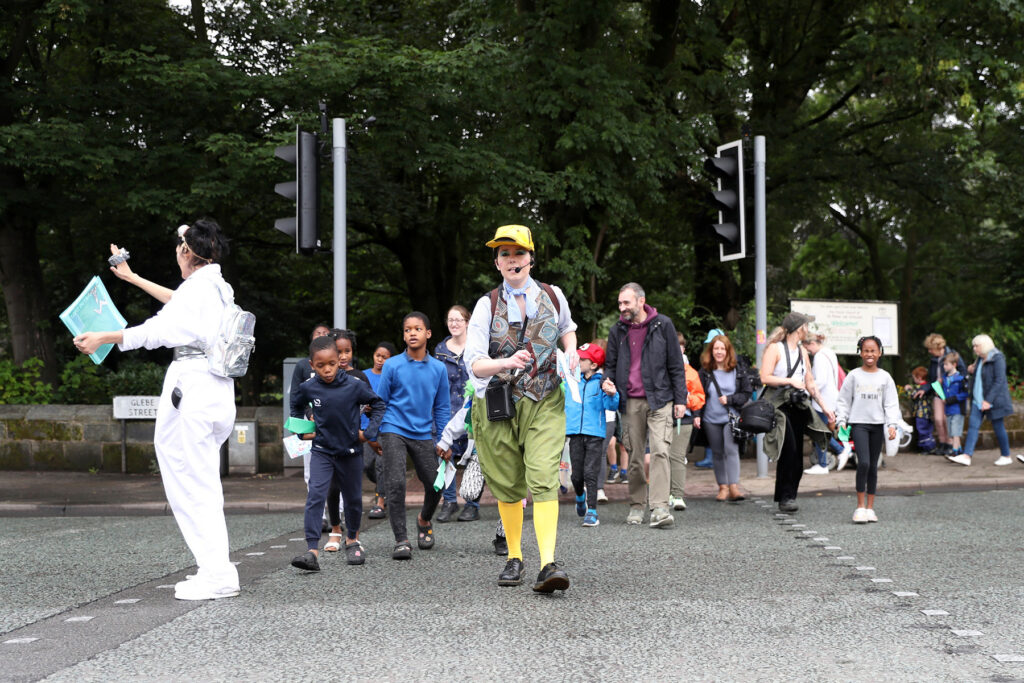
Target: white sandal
<point x="333" y="546"/>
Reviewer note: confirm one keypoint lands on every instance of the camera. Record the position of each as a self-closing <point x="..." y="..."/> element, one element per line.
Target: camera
<point x="797" y="397"/>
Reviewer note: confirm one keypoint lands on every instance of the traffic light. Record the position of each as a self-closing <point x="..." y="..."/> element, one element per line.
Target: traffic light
<point x="730" y="231"/>
<point x="304" y="155"/>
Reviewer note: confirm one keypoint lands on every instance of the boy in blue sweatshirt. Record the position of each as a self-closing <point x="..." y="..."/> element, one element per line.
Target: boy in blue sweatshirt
<point x="414" y="386"/>
<point x="585" y="426"/>
<point x="955" y="389"/>
<point x="336" y="399"/>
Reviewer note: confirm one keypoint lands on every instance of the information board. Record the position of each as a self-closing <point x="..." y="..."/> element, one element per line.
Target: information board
<point x="847" y="321"/>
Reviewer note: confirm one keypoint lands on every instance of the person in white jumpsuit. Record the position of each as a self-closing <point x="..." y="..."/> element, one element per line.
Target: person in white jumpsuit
<point x="197" y="409"/>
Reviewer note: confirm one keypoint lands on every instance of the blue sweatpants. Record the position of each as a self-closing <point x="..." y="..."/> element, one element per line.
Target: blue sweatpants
<point x="347" y="470"/>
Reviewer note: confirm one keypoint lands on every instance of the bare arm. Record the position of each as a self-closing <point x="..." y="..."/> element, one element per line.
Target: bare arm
<point x="124" y="271"/>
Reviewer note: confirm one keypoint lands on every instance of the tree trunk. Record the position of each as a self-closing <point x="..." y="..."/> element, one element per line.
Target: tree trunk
<point x="21" y="281"/>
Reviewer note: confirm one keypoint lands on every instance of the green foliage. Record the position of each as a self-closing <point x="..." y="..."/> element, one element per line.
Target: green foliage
<point x="22" y="384"/>
<point x="586" y="121"/>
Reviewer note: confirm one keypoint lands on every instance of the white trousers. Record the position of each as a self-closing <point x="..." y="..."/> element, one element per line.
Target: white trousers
<point x="188" y="440"/>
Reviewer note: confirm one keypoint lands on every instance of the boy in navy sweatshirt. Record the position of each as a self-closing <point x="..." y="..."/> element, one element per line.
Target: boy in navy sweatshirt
<point x="585" y="426"/>
<point x="414" y="386"/>
<point x="335" y="398"/>
<point x="953" y="386"/>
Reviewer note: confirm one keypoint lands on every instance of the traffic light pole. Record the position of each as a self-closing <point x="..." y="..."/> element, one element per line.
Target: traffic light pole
<point x="338" y="155"/>
<point x="760" y="276"/>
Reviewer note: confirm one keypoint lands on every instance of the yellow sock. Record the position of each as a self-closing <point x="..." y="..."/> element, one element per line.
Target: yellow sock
<point x="512" y="519"/>
<point x="545" y="525"/>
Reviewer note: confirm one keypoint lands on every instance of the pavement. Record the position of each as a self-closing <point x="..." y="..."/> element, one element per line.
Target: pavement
<point x="54" y="493"/>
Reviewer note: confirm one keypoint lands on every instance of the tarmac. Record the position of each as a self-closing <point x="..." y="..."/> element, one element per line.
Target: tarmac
<point x="54" y="493"/>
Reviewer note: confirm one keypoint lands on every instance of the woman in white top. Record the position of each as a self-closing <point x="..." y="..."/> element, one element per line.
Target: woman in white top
<point x="197" y="409"/>
<point x="787" y="376"/>
<point x="869" y="403"/>
<point x="825" y="366"/>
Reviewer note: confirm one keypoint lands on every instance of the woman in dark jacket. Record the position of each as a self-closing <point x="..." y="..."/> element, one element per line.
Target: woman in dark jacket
<point x="937" y="349"/>
<point x="988" y="396"/>
<point x="449" y="352"/>
<point x="726" y="390"/>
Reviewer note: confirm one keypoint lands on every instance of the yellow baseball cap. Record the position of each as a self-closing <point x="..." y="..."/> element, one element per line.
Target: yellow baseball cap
<point x="512" y="234"/>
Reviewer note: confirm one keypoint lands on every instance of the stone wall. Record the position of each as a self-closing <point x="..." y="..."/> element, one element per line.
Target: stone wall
<point x="87" y="437"/>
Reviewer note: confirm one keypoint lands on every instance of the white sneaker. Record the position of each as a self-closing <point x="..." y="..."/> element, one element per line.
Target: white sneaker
<point x="601" y="497"/>
<point x="844" y="456"/>
<point x="661" y="518"/>
<point x="860" y="516"/>
<point x="962" y="459"/>
<point x="872" y="517"/>
<point x="1021" y="458"/>
<point x="197" y="589"/>
<point x="676" y="503"/>
<point x="1004" y="460"/>
<point x="816" y="469"/>
<point x="635" y="516"/>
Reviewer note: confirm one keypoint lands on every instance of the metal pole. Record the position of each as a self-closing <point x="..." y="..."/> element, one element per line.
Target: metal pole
<point x="760" y="276"/>
<point x="340" y="257"/>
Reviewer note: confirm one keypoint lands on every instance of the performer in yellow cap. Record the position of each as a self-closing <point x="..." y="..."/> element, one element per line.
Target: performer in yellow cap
<point x="512" y="339"/>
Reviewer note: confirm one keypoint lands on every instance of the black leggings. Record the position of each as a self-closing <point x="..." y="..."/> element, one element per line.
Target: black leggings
<point x="868" y="440"/>
<point x="586" y="456"/>
<point x="789" y="468"/>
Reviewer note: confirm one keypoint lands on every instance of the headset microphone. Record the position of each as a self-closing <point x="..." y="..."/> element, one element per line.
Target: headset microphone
<point x="519" y="269"/>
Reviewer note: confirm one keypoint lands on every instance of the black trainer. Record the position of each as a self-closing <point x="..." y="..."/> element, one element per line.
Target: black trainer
<point x="307" y="562"/>
<point x="512" y="574"/>
<point x="551" y="578"/>
<point x="788" y="505"/>
<point x="500" y="545"/>
<point x="448" y="511"/>
<point x="470" y="513"/>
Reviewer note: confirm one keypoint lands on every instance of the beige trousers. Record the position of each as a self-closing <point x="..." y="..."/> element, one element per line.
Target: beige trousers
<point x="641" y="426"/>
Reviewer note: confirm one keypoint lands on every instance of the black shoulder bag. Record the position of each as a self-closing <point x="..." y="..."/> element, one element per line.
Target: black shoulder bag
<point x="498" y="395"/>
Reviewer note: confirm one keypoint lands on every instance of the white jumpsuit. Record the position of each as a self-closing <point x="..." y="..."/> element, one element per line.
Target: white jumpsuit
<point x="188" y="438"/>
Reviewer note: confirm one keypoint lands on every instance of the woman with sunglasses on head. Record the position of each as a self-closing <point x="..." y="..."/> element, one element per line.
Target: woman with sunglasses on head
<point x="197" y="408"/>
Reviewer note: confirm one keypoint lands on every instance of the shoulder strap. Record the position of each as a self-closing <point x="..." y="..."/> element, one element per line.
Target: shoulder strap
<point x="551" y="294"/>
<point x="799" y="359"/>
<point x="494" y="300"/>
<point x="714" y="381"/>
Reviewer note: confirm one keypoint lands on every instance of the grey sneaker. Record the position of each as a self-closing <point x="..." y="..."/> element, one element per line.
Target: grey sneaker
<point x="676" y="503"/>
<point x="661" y="518"/>
<point x="635" y="516"/>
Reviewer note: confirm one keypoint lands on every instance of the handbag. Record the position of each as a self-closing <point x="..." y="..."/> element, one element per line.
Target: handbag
<point x="498" y="394"/>
<point x="472" y="479"/>
<point x="757" y="417"/>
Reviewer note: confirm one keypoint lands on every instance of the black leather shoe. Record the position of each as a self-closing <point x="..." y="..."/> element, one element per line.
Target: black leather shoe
<point x="447" y="511"/>
<point x="551" y="578"/>
<point x="512" y="574"/>
<point x="788" y="505"/>
<point x="470" y="513"/>
<point x="500" y="545"/>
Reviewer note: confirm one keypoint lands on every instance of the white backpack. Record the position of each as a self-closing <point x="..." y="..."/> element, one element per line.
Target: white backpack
<point x="228" y="356"/>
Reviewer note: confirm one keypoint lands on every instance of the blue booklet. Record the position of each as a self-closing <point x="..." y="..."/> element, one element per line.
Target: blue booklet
<point x="93" y="311"/>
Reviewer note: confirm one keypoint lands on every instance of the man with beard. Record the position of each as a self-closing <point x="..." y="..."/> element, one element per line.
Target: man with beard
<point x="645" y="365"/>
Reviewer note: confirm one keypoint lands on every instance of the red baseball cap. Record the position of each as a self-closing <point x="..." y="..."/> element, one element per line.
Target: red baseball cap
<point x="593" y="353"/>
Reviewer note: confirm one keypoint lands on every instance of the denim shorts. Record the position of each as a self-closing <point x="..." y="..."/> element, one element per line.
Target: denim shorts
<point x="955" y="424"/>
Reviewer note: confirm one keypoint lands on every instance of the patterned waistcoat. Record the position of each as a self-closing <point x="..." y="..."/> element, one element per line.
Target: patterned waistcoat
<point x="541" y="339"/>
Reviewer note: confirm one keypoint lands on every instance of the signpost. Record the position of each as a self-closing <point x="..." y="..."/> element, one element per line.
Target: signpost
<point x="132" y="408"/>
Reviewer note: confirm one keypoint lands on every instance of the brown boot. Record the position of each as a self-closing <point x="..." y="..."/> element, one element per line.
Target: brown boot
<point x="734" y="493"/>
<point x="723" y="493"/>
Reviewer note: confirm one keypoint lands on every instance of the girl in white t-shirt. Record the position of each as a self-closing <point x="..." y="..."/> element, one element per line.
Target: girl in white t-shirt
<point x="869" y="404"/>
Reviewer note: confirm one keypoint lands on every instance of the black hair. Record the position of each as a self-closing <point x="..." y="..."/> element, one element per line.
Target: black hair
<point x="322" y="344"/>
<point x="417" y="314"/>
<point x="387" y="346"/>
<point x="317" y="327"/>
<point x="338" y="333"/>
<point x="860" y="342"/>
<point x="205" y="239"/>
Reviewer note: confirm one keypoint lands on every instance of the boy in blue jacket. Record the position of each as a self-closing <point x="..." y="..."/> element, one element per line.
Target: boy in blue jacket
<point x="585" y="426"/>
<point x="956" y="393"/>
<point x="336" y="399"/>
